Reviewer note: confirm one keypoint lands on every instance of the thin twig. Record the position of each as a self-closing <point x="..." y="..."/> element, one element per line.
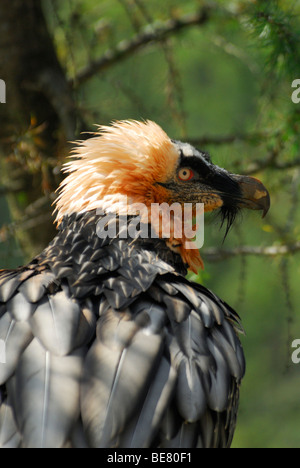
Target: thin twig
<point x="217" y="140"/>
<point x="5" y="190"/>
<point x="217" y="255"/>
<point x="128" y="7"/>
<point x="35" y="215"/>
<point x="152" y="33"/>
<point x="271" y="161"/>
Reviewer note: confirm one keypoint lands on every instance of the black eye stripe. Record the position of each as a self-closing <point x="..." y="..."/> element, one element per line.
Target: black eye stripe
<point x="210" y="175"/>
<point x="198" y="165"/>
<point x="205" y="171"/>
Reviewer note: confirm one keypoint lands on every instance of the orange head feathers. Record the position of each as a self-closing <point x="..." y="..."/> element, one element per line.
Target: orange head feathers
<point x="127" y="158"/>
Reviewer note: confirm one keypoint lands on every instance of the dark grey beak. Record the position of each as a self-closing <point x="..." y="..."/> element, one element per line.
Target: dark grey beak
<point x="255" y="196"/>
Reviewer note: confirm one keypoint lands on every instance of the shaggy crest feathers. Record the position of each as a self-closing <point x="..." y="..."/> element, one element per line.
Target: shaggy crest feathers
<point x="123" y="159"/>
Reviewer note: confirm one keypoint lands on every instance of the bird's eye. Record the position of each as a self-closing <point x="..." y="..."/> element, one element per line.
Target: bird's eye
<point x="185" y="173"/>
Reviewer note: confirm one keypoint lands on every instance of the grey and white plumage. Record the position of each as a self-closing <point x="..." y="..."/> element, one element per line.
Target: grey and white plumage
<point x="114" y="346"/>
<point x="109" y="345"/>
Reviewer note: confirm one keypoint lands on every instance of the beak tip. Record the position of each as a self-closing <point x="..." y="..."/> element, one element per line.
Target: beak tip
<point x="265" y="206"/>
<point x="255" y="195"/>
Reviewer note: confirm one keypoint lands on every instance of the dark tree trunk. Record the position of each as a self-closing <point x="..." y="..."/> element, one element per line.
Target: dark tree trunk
<point x="37" y="120"/>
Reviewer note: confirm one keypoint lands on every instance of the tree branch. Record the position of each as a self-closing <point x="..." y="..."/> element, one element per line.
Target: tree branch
<point x="271" y="161"/>
<point x="35" y="214"/>
<point x="15" y="188"/>
<point x="152" y="33"/>
<point x="217" y="140"/>
<point x="217" y="255"/>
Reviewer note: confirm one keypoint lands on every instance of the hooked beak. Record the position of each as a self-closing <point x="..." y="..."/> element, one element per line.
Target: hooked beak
<point x="255" y="196"/>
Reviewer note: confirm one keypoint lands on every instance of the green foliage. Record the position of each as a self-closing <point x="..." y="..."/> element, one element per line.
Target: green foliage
<point x="275" y="25"/>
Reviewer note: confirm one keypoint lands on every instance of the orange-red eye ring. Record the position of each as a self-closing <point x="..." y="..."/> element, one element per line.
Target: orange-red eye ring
<point x="185" y="174"/>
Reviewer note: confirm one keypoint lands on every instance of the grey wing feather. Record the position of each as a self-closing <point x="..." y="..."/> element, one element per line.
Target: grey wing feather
<point x="144" y="427"/>
<point x="187" y="347"/>
<point x="55" y="322"/>
<point x="220" y="380"/>
<point x="9" y="435"/>
<point x="186" y="437"/>
<point x="117" y="371"/>
<point x="16" y="336"/>
<point x="20" y="308"/>
<point x="11" y="281"/>
<point x="47" y="389"/>
<point x="35" y="287"/>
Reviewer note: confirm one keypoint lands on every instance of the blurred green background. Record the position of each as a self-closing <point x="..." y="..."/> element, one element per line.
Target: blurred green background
<point x="225" y="85"/>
